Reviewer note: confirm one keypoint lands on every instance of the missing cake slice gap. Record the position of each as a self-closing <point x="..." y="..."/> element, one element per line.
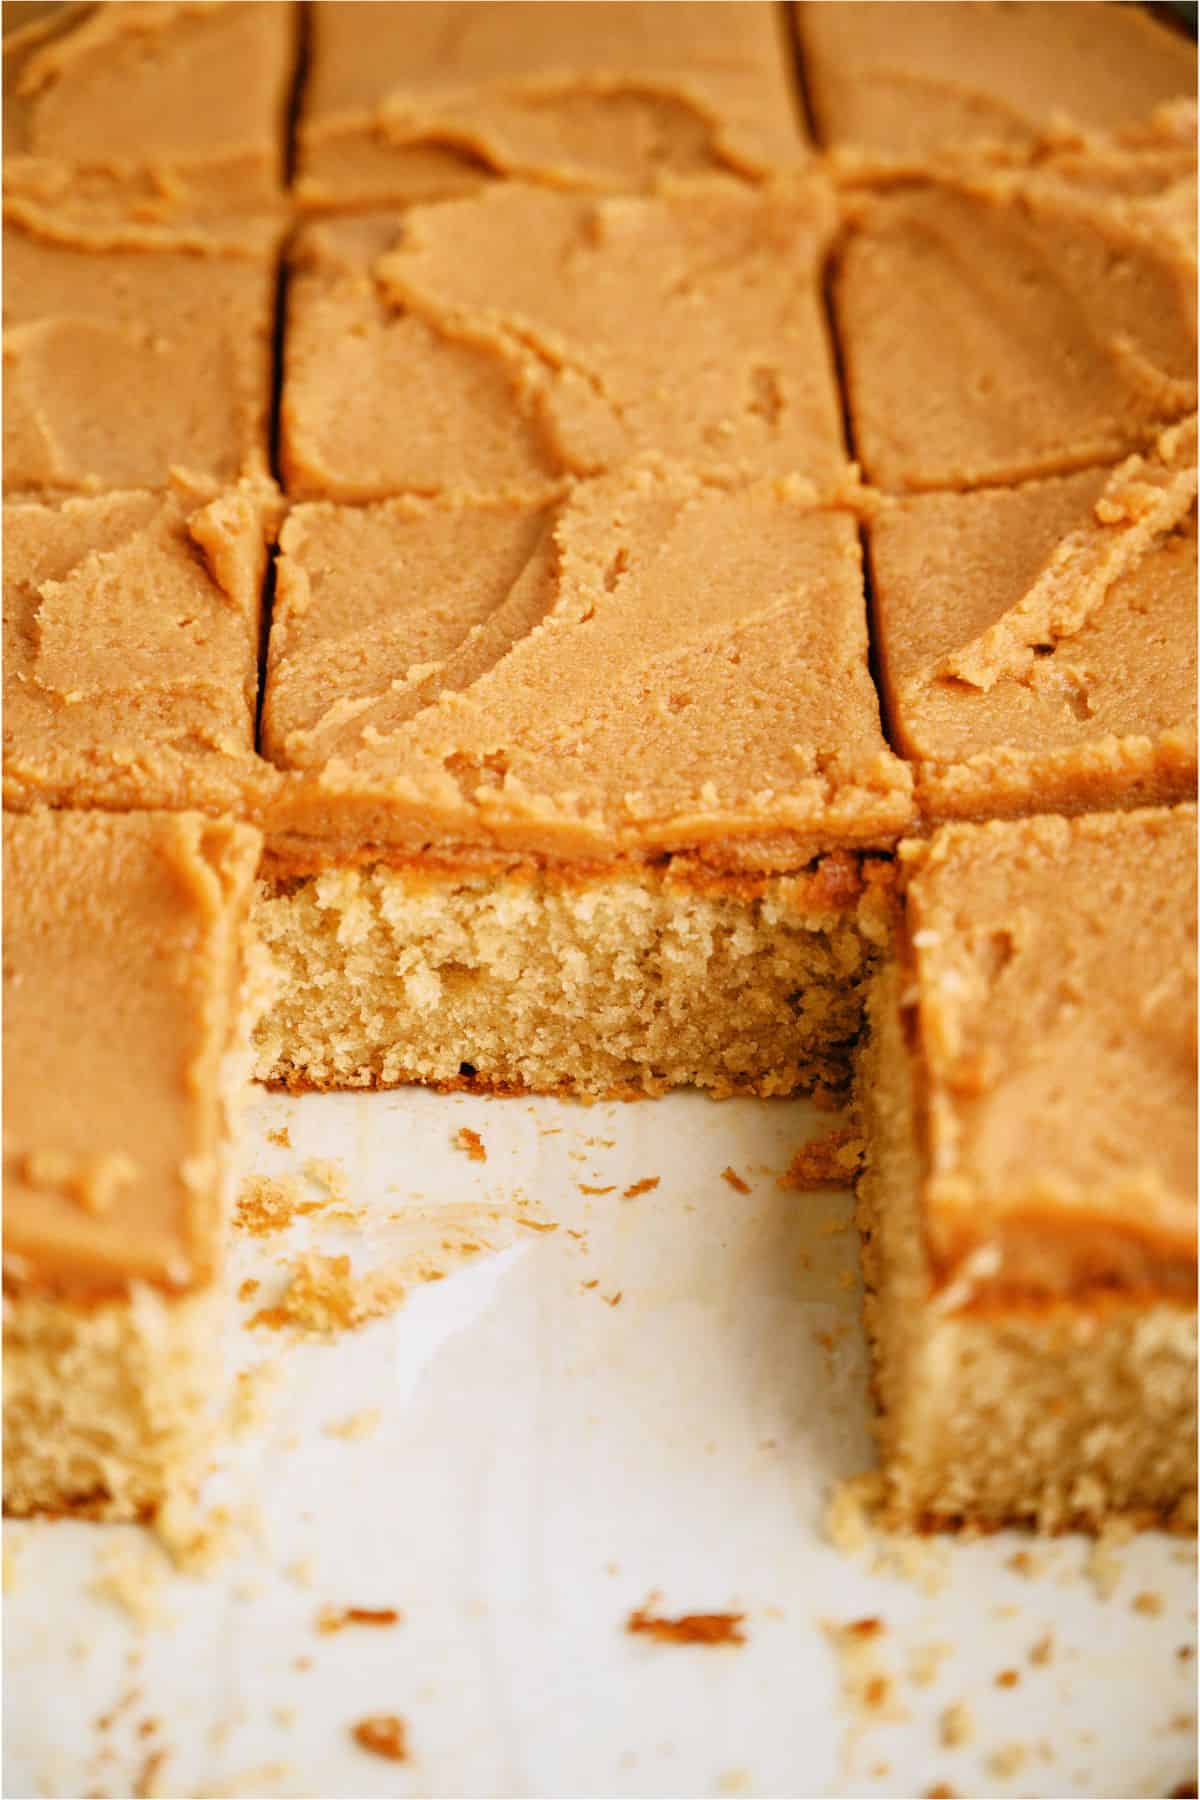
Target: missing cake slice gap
<point x="130" y="977"/>
<point x="1028" y="1208"/>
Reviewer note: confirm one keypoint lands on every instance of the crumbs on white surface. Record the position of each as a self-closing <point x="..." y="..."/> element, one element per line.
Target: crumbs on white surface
<point x="470" y="1143"/>
<point x="382" y="1734"/>
<point x="355" y="1425"/>
<point x="925" y="1662"/>
<point x="325" y="1297"/>
<point x="248" y="1409"/>
<point x="331" y="1619"/>
<point x="956" y="1727"/>
<point x="1007" y="1760"/>
<point x="197" y="1541"/>
<point x="132" y="1575"/>
<point x="868" y="1688"/>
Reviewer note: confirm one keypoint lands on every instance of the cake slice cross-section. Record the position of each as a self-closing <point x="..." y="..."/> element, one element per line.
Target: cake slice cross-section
<point x="129" y="973"/>
<point x="583" y="795"/>
<point x="1029" y="1206"/>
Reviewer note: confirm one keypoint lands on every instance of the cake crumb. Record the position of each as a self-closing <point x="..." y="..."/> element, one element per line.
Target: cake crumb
<point x="585" y="1189"/>
<point x="1007" y="1760"/>
<point x="324" y="1297"/>
<point x="688" y="1628"/>
<point x="470" y="1141"/>
<point x="355" y="1425"/>
<point x="1103" y="1567"/>
<point x="1007" y="1678"/>
<point x="1149" y="1603"/>
<point x="146" y="1782"/>
<point x="830" y="1161"/>
<point x="851" y="1508"/>
<point x="1022" y="1562"/>
<point x="281" y="1136"/>
<point x="925" y="1662"/>
<point x="941" y="1790"/>
<point x="9" y="1554"/>
<point x="644" y="1186"/>
<point x="1042" y="1653"/>
<point x="613" y="1299"/>
<point x="735" y="1181"/>
<point x="248" y="1400"/>
<point x="265" y="1206"/>
<point x="537" y="1224"/>
<point x="956" y="1726"/>
<point x="337" y="1618"/>
<point x="284" y="1715"/>
<point x="248" y="1288"/>
<point x="383" y="1734"/>
<point x="327" y="1175"/>
<point x="300" y="1571"/>
<point x="866" y="1684"/>
<point x="132" y="1578"/>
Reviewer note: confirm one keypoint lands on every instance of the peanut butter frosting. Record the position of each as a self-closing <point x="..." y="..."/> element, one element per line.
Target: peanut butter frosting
<point x="1052" y="998"/>
<point x="902" y="80"/>
<point x="547" y="677"/>
<point x="131" y="628"/>
<point x="1036" y="640"/>
<point x="1012" y="324"/>
<point x="123" y="945"/>
<point x="415" y="102"/>
<point x="119" y="365"/>
<point x="424" y="356"/>
<point x="147" y="115"/>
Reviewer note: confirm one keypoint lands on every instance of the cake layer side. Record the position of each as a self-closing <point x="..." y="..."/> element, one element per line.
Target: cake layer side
<point x="107" y="1405"/>
<point x="1062" y="1413"/>
<point x="622" y="985"/>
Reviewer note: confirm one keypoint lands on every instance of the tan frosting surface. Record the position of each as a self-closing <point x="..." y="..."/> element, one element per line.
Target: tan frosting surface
<point x="1053" y="977"/>
<point x="425" y="356"/>
<point x="1034" y="625"/>
<point x="128" y="928"/>
<point x="119" y="365"/>
<point x="650" y="663"/>
<point x="413" y="102"/>
<point x="905" y="79"/>
<point x="131" y="625"/>
<point x="155" y="113"/>
<point x="1015" y="325"/>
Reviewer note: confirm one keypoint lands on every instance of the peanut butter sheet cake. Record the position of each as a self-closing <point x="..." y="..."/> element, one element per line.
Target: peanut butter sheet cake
<point x="470" y="465"/>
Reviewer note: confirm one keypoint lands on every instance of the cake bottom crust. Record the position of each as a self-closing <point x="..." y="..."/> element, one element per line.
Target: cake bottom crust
<point x="1064" y="1414"/>
<point x="618" y="987"/>
<point x="106" y="1402"/>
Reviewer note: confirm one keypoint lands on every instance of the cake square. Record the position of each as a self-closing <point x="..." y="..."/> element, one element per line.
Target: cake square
<point x="546" y="677"/>
<point x="122" y="363"/>
<point x="493" y="345"/>
<point x="126" y="946"/>
<point x="131" y="632"/>
<point x="147" y="116"/>
<point x="579" y="796"/>
<point x="417" y="102"/>
<point x="1029" y="1211"/>
<point x="1002" y="326"/>
<point x="1037" y="644"/>
<point x="901" y="81"/>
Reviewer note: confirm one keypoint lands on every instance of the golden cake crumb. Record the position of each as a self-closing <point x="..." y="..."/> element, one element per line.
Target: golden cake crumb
<point x="248" y="1402"/>
<point x="1148" y="1602"/>
<point x="356" y="1425"/>
<point x="282" y="1136"/>
<point x="132" y="1577"/>
<point x="383" y="1734"/>
<point x="265" y="1206"/>
<point x="830" y="1161"/>
<point x="470" y="1141"/>
<point x="324" y="1296"/>
<point x="1007" y="1760"/>
<point x="688" y="1628"/>
<point x="644" y="1186"/>
<point x="1042" y="1653"/>
<point x="336" y="1618"/>
<point x="735" y="1181"/>
<point x="957" y="1725"/>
